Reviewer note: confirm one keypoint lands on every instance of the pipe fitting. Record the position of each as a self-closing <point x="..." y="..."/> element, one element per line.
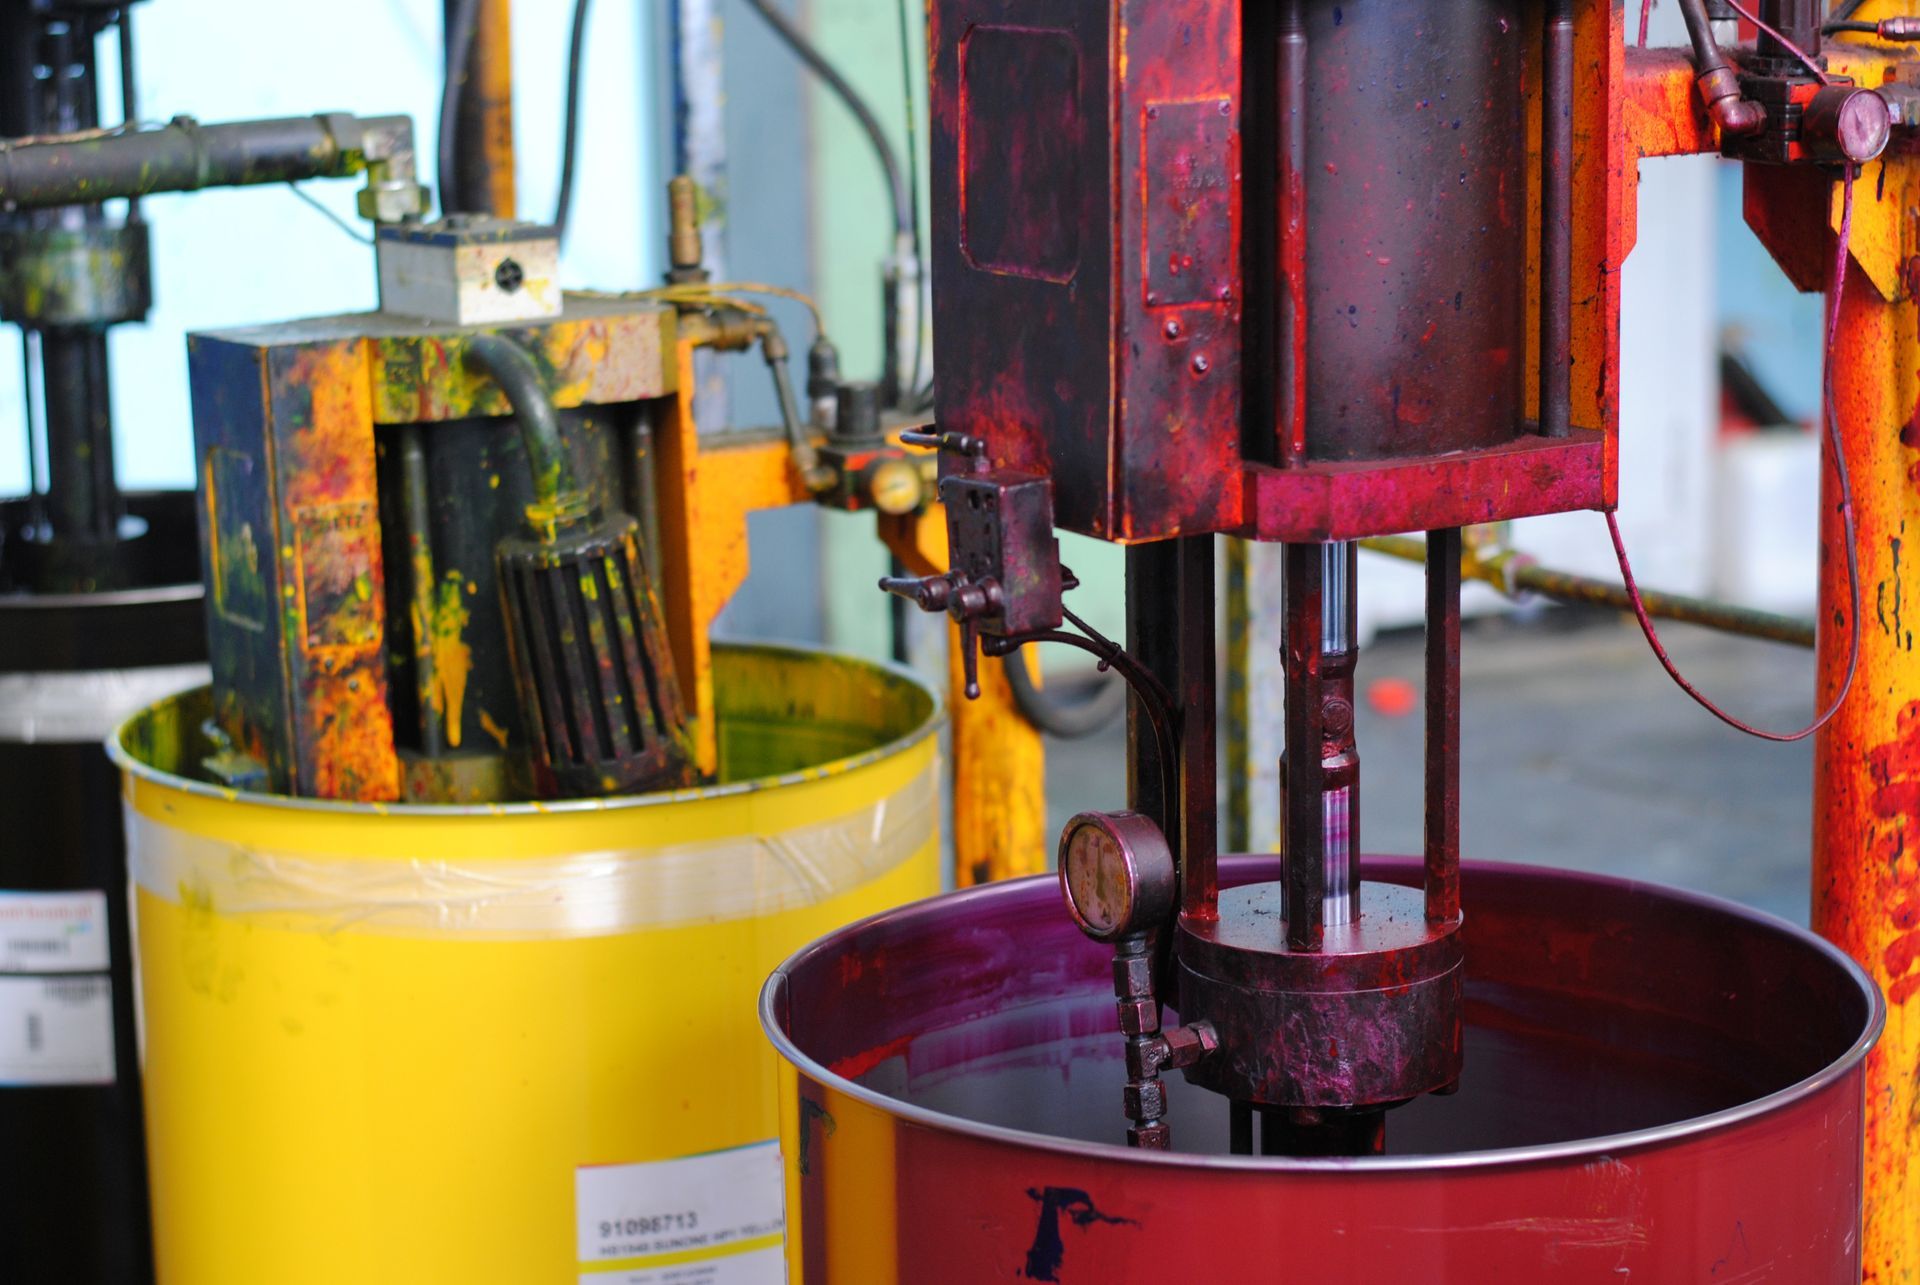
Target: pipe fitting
<point x="1720" y="90"/>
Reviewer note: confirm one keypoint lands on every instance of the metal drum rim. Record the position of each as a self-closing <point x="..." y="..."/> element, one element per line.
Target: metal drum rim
<point x="1477" y="1161"/>
<point x="27" y="604"/>
<point x="928" y="727"/>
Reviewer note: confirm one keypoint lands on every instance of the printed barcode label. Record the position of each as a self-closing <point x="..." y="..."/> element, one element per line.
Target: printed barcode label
<point x="56" y="1030"/>
<point x="53" y="932"/>
<point x="713" y="1219"/>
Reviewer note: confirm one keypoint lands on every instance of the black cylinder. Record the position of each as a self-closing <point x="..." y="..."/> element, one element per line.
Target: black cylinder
<point x="83" y="501"/>
<point x="857" y="413"/>
<point x="73" y="1188"/>
<point x="1416" y="191"/>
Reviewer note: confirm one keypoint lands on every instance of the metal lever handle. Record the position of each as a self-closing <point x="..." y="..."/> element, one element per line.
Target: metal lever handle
<point x="965" y="600"/>
<point x="962" y="444"/>
<point x="929" y="593"/>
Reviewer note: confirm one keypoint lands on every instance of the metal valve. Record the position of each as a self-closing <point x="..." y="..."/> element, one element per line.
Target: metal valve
<point x="1004" y="577"/>
<point x="1120" y="882"/>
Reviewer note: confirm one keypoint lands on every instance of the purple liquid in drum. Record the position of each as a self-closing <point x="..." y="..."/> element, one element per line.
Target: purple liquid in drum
<point x="1593" y="1009"/>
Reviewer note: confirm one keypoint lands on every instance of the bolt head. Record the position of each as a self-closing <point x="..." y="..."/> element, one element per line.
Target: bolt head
<point x="1138" y="1016"/>
<point x="1145" y="1101"/>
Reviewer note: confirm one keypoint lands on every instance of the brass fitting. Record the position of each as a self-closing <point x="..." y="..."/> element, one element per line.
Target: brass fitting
<point x="686" y="255"/>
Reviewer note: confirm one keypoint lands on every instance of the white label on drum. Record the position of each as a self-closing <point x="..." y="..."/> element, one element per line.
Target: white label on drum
<point x="56" y="1030"/>
<point x="712" y="1219"/>
<point x="53" y="932"/>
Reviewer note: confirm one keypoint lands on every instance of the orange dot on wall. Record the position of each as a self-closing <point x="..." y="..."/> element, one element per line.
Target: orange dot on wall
<point x="1392" y="697"/>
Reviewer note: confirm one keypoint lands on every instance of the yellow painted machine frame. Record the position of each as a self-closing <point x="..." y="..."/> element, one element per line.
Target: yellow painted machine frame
<point x="705" y="491"/>
<point x="1866" y="893"/>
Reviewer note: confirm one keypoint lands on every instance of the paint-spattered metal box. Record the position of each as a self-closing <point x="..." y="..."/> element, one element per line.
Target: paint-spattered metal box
<point x="354" y="480"/>
<point x="1086" y="242"/>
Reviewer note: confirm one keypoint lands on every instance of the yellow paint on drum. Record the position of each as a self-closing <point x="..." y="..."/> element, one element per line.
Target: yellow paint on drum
<point x="379" y="1040"/>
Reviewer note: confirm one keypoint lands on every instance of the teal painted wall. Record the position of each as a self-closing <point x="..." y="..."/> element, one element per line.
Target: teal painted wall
<point x="852" y="235"/>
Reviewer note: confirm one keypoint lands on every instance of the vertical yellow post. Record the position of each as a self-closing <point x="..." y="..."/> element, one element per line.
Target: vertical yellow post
<point x="999" y="777"/>
<point x="485" y="163"/>
<point x="999" y="761"/>
<point x="1866" y="784"/>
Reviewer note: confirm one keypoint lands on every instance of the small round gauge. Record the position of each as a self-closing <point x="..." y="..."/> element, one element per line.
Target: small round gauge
<point x="1116" y="873"/>
<point x="894" y="486"/>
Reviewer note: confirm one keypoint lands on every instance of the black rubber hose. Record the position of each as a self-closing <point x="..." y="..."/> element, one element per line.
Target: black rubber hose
<point x="1067" y="719"/>
<point x="1706" y="53"/>
<point x="512" y="367"/>
<point x="459" y="52"/>
<point x="797" y="41"/>
<point x="570" y="135"/>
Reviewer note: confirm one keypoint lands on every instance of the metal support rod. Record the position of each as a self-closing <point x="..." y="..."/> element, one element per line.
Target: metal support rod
<point x="1239" y="1128"/>
<point x="637" y="481"/>
<point x="185" y="156"/>
<point x="416" y="501"/>
<point x="1273" y="1131"/>
<point x="1292" y="229"/>
<point x="1198" y="805"/>
<point x="1556" y="222"/>
<point x="700" y="153"/>
<point x="1150" y="586"/>
<point x="1303" y="828"/>
<point x="1340" y="757"/>
<point x="129" y="89"/>
<point x="1513" y="575"/>
<point x="36" y="427"/>
<point x="1239" y="760"/>
<point x="1443" y="726"/>
<point x="1170" y="633"/>
<point x="83" y="501"/>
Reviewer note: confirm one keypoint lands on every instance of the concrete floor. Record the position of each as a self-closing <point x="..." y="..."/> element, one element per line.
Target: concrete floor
<point x="1578" y="751"/>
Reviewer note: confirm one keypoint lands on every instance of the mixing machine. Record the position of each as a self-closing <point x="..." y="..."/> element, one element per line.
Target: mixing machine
<point x="1274" y="272"/>
<point x="1304" y="272"/>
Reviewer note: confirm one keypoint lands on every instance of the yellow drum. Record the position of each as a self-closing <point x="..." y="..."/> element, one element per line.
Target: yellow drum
<point x="510" y="1043"/>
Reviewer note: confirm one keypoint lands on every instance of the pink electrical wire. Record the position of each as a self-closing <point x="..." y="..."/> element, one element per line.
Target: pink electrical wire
<point x="1832" y="417"/>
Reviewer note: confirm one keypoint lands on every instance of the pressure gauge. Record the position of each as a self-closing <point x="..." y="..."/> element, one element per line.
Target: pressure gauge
<point x="1116" y="873"/>
<point x="893" y="485"/>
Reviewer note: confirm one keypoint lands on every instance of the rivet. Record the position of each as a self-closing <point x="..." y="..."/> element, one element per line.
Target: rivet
<point x="1200" y="363"/>
<point x="1173" y="330"/>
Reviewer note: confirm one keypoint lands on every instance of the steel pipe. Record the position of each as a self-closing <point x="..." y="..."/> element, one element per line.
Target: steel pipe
<point x="1512" y="574"/>
<point x="185" y="156"/>
<point x="1556" y="223"/>
<point x="1293" y="75"/>
<point x="1442" y="820"/>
